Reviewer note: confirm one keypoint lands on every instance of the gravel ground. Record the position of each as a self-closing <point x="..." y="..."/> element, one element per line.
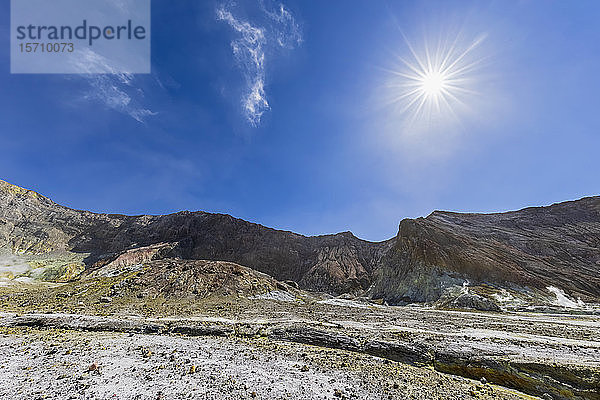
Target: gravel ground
<point x="59" y="364"/>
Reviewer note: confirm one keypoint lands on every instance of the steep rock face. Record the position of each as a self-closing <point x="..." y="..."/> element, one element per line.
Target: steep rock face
<point x="29" y="222"/>
<point x="33" y="224"/>
<point x="344" y="263"/>
<point x="535" y="247"/>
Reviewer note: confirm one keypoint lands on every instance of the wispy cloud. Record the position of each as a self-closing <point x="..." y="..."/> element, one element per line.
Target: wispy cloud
<point x="112" y="88"/>
<point x="278" y="30"/>
<point x="250" y="54"/>
<point x="287" y="33"/>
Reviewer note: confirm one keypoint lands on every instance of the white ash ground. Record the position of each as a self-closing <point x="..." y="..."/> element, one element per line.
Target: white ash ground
<point x="53" y="364"/>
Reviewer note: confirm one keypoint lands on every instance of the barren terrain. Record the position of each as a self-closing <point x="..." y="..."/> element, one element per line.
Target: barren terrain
<point x="294" y="347"/>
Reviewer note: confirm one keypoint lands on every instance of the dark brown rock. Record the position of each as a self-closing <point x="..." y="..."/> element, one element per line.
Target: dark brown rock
<point x="528" y="249"/>
<point x="32" y="224"/>
<point x="535" y="247"/>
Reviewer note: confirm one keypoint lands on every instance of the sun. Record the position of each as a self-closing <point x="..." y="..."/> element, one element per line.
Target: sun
<point x="435" y="81"/>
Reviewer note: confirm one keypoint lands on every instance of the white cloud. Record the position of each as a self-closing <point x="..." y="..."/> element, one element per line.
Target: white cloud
<point x="288" y="33"/>
<point x="249" y="52"/>
<point x="280" y="30"/>
<point x="112" y="88"/>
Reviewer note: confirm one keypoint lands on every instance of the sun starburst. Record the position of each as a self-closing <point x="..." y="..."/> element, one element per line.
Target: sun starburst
<point x="434" y="82"/>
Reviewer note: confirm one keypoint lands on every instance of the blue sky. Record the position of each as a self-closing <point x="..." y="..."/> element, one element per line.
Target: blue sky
<point x="329" y="153"/>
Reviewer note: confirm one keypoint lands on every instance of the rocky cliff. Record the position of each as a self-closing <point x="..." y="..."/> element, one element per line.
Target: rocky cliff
<point x="534" y="248"/>
<point x="505" y="253"/>
<point x="40" y="229"/>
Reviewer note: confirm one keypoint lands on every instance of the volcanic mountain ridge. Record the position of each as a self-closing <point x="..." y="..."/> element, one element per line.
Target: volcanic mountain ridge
<point x="506" y="257"/>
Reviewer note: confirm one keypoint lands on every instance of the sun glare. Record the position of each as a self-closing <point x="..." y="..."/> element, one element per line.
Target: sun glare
<point x="434" y="81"/>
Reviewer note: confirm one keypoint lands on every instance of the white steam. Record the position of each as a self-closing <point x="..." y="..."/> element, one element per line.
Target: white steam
<point x="563" y="300"/>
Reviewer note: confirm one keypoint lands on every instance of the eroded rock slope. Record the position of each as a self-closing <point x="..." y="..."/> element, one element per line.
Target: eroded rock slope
<point x="509" y="253"/>
<point x="534" y="248"/>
